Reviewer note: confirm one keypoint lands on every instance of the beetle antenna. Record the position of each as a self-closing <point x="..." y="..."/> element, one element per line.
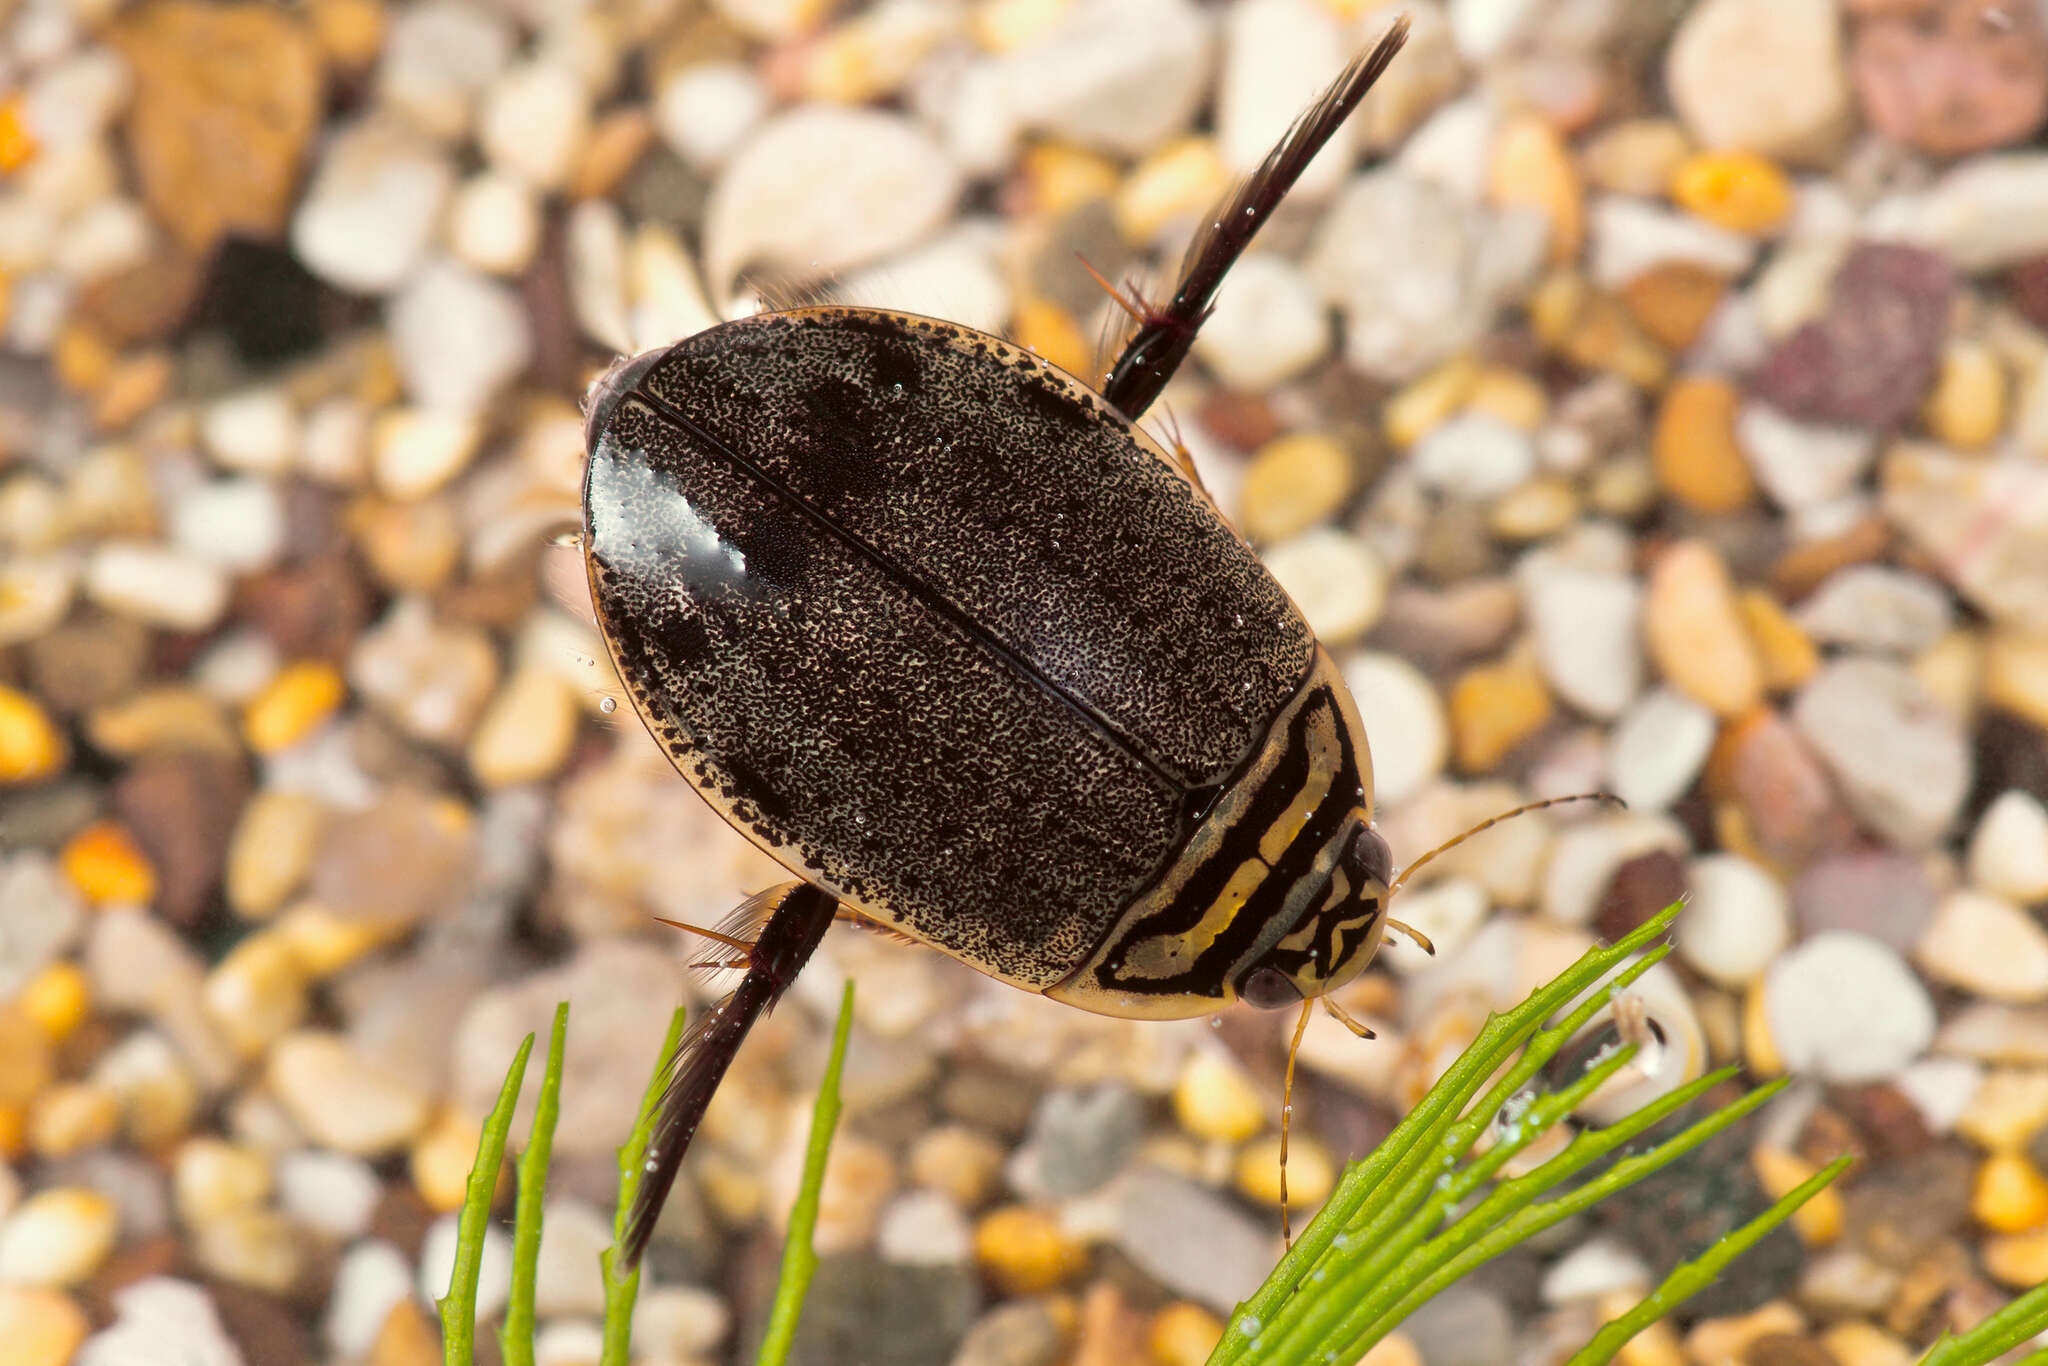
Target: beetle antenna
<point x="1486" y="825"/>
<point x="1155" y="350"/>
<point x="799" y="918"/>
<point x="1287" y="1120"/>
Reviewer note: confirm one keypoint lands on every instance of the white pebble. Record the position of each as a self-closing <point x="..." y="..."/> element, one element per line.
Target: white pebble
<point x="35" y="593"/>
<point x="1449" y="913"/>
<point x="1453" y="147"/>
<point x="703" y="111"/>
<point x="1987" y="946"/>
<point x="158" y="585"/>
<point x="419" y="450"/>
<point x="821" y="188"/>
<point x="1339" y="582"/>
<point x="1120" y="76"/>
<point x="1801" y="464"/>
<point x="1273" y="51"/>
<point x="1588" y="640"/>
<point x="924" y="1228"/>
<point x="1877" y="607"/>
<point x="2009" y="851"/>
<point x="1268" y="327"/>
<point x="437" y="1266"/>
<point x="954" y="277"/>
<point x="1585" y="855"/>
<point x="1409" y="735"/>
<point x="1632" y="236"/>
<point x="568" y="1278"/>
<point x="1658" y="748"/>
<point x="595" y="254"/>
<point x="373" y="1276"/>
<point x="1595" y="1268"/>
<point x="337" y="442"/>
<point x="1941" y="1089"/>
<point x="372" y="208"/>
<point x="1990" y="211"/>
<point x="458" y="336"/>
<point x="331" y="1193"/>
<point x="1474" y="455"/>
<point x="162" y="1319"/>
<point x="533" y="122"/>
<point x="494" y="223"/>
<point x="679" y="1322"/>
<point x="111" y="236"/>
<point x="1846" y="1008"/>
<point x="1739" y="918"/>
<point x="58" y="1236"/>
<point x="255" y="431"/>
<point x="1902" y="758"/>
<point x="238" y="524"/>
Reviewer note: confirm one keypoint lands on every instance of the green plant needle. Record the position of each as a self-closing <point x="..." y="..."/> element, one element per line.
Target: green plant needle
<point x="1689" y="1278"/>
<point x="799" y="1257"/>
<point x="515" y="1336"/>
<point x="458" y="1306"/>
<point x="620" y="1292"/>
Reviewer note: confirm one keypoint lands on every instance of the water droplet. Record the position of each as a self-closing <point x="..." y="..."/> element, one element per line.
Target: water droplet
<point x="608" y="705"/>
<point x="1250" y="1326"/>
<point x="567" y="538"/>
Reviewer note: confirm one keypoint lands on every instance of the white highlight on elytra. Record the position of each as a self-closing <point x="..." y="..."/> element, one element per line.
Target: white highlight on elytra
<point x="642" y="521"/>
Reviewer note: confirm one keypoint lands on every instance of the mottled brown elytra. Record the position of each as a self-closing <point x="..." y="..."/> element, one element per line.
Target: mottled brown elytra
<point x="941" y="629"/>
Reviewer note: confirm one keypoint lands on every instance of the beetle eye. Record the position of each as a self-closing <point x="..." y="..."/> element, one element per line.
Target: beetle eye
<point x="1269" y="989"/>
<point x="1371" y="858"/>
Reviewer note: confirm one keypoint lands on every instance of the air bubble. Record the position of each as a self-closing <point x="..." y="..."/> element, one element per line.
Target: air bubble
<point x="608" y="705"/>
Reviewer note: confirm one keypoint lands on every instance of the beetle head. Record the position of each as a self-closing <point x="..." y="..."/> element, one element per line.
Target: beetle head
<point x="1338" y="935"/>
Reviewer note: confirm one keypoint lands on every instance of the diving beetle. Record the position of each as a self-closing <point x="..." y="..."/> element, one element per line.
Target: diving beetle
<point x="941" y="629"/>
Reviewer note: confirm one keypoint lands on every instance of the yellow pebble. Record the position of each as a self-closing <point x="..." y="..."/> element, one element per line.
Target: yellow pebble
<point x="1061" y="177"/>
<point x="441" y="1159"/>
<point x="31" y="747"/>
<point x="1757" y="1044"/>
<point x="17" y="143"/>
<point x="58" y="999"/>
<point x="1183" y="1334"/>
<point x="1024" y="1251"/>
<point x="13" y="1132"/>
<point x="1509" y="395"/>
<point x="324" y="943"/>
<point x="1494" y="708"/>
<point x="2009" y="1106"/>
<point x="1967" y="407"/>
<point x="1952" y="669"/>
<point x="1865" y="1344"/>
<point x="1542" y="507"/>
<point x="1311" y="1173"/>
<point x="1786" y="653"/>
<point x="1215" y="1098"/>
<point x="1725" y="1339"/>
<point x="40" y="1324"/>
<point x="1414" y="412"/>
<point x="291" y="705"/>
<point x="1593" y="329"/>
<point x="1819" y="1220"/>
<point x="1739" y="191"/>
<point x="105" y="865"/>
<point x="1294" y="482"/>
<point x="2016" y="674"/>
<point x="2019" y="1260"/>
<point x="1533" y="169"/>
<point x="1181" y="179"/>
<point x="71" y="1117"/>
<point x="1694" y="450"/>
<point x="2010" y="1195"/>
<point x="1041" y="326"/>
<point x="212" y="1178"/>
<point x="1656" y="1345"/>
<point x="1006" y="25"/>
<point x="1392" y="1350"/>
<point x="257" y="992"/>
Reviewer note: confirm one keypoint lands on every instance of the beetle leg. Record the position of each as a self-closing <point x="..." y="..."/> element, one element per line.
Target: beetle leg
<point x="1287" y="1121"/>
<point x="1155" y="349"/>
<point x="1413" y="935"/>
<point x="797" y="920"/>
<point x="1344" y="1017"/>
<point x="847" y="915"/>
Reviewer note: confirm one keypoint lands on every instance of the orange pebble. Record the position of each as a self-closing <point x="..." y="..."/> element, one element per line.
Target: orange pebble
<point x="2011" y="1195"/>
<point x="17" y="143"/>
<point x="1739" y="191"/>
<point x="1694" y="450"/>
<point x="105" y="865"/>
<point x="291" y="705"/>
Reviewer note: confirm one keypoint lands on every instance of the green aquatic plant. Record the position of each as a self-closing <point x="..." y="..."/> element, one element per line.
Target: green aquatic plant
<point x="1404" y="1222"/>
